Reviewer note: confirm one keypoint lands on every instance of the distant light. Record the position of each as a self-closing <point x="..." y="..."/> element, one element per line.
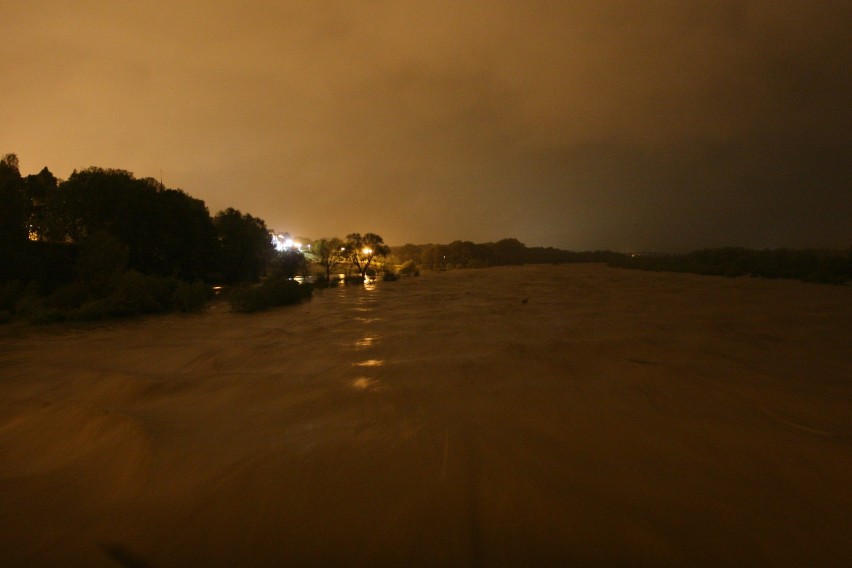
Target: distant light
<point x="367" y="251"/>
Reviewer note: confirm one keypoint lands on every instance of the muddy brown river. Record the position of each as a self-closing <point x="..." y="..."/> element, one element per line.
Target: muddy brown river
<point x="517" y="416"/>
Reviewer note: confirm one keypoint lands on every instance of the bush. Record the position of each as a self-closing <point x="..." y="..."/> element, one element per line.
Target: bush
<point x="276" y="290"/>
<point x="281" y="291"/>
<point x="71" y="296"/>
<point x="389" y="276"/>
<point x="47" y="315"/>
<point x="10" y="294"/>
<point x="246" y="299"/>
<point x="133" y="294"/>
<point x="409" y="268"/>
<point x="189" y="297"/>
<point x="29" y="302"/>
<point x="100" y="259"/>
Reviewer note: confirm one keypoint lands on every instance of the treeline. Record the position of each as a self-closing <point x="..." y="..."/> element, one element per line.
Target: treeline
<point x="826" y="267"/>
<point x="105" y="243"/>
<point x="466" y="254"/>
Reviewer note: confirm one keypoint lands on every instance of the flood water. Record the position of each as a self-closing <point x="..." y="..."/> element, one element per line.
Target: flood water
<point x="518" y="416"/>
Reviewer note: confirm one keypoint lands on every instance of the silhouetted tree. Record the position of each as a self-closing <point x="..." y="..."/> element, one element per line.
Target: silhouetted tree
<point x="184" y="232"/>
<point x="361" y="250"/>
<point x="13" y="201"/>
<point x="13" y="218"/>
<point x="288" y="263"/>
<point x="39" y="188"/>
<point x="407" y="252"/>
<point x="245" y="247"/>
<point x="509" y="251"/>
<point x="166" y="231"/>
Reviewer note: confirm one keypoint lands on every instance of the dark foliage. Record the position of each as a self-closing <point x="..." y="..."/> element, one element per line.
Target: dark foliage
<point x="389" y="275"/>
<point x="275" y="290"/>
<point x="466" y="254"/>
<point x="288" y="263"/>
<point x="409" y="268"/>
<point x="826" y="267"/>
<point x="245" y="246"/>
<point x="104" y="243"/>
<point x="165" y="231"/>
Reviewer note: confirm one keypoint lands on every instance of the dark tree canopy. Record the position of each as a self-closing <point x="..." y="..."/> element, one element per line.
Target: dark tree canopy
<point x="103" y="243"/>
<point x="40" y="188"/>
<point x="166" y="231"/>
<point x="245" y="247"/>
<point x="13" y="201"/>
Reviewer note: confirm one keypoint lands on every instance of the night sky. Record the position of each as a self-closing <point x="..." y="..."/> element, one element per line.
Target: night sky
<point x="627" y="125"/>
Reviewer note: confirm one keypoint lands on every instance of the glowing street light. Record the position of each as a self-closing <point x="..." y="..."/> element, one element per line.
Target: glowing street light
<point x="367" y="251"/>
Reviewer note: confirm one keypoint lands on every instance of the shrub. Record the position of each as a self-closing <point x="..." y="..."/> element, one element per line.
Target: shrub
<point x="71" y="296"/>
<point x="276" y="290"/>
<point x="409" y="268"/>
<point x="101" y="258"/>
<point x="280" y="291"/>
<point x="132" y="295"/>
<point x="29" y="302"/>
<point x="246" y="299"/>
<point x="47" y="315"/>
<point x="189" y="297"/>
<point x="10" y="294"/>
<point x="389" y="276"/>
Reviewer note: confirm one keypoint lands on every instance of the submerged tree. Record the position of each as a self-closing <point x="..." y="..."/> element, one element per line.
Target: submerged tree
<point x="361" y="250"/>
<point x="329" y="254"/>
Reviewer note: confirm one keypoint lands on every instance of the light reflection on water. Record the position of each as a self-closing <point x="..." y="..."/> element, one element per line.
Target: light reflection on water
<point x="370" y="363"/>
<point x="363" y="383"/>
<point x="366" y="342"/>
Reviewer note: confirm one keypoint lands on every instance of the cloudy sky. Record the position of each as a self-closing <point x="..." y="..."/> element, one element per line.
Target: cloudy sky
<point x="620" y="124"/>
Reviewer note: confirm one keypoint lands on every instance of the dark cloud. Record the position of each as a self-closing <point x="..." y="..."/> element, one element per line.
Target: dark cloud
<point x="627" y="125"/>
